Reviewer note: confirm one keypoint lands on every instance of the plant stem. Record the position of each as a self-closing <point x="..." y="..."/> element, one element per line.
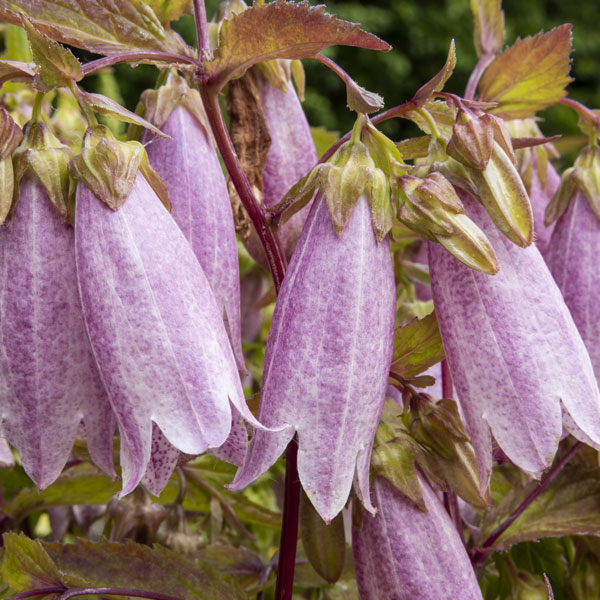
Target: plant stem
<point x="201" y="29"/>
<point x="479" y="555"/>
<point x="450" y="499"/>
<point x="269" y="240"/>
<point x="38" y="592"/>
<point x="289" y="530"/>
<point x="277" y="265"/>
<point x="108" y="61"/>
<point x="482" y="64"/>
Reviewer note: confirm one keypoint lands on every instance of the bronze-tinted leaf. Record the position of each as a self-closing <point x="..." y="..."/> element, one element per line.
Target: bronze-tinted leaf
<point x="281" y="29"/>
<point x="57" y="64"/>
<point x="530" y="75"/>
<point x="417" y="346"/>
<point x="488" y="30"/>
<point x="16" y="70"/>
<point x="570" y="505"/>
<point x="170" y="10"/>
<point x="437" y="83"/>
<point x="101" y="26"/>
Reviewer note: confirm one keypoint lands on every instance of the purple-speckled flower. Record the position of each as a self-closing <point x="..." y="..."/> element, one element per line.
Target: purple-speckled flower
<point x="156" y="331"/>
<point x="49" y="382"/>
<point x="188" y="165"/>
<point x="405" y="553"/>
<point x="573" y="260"/>
<point x="327" y="359"/>
<point x="291" y="155"/>
<point x="518" y="363"/>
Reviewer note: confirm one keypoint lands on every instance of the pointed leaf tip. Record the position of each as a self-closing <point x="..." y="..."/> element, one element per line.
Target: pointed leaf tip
<point x="488" y="26"/>
<point x="530" y="75"/>
<point x="281" y="29"/>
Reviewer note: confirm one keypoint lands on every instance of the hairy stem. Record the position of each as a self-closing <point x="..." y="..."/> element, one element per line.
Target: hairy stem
<point x="450" y="499"/>
<point x="482" y="64"/>
<point x="201" y="28"/>
<point x="108" y="61"/>
<point x="480" y="553"/>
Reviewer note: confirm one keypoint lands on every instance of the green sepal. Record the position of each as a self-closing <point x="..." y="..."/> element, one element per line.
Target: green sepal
<point x="472" y="140"/>
<point x="583" y="176"/>
<point x="42" y="154"/>
<point x="107" y="166"/>
<point x="7" y="186"/>
<point x="324" y="543"/>
<point x="432" y="208"/>
<point x="502" y="193"/>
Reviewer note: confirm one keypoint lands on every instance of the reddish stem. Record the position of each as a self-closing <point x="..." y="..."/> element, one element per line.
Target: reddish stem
<point x="201" y="28"/>
<point x="269" y="240"/>
<point x="38" y="592"/>
<point x="109" y="61"/>
<point x="480" y="553"/>
<point x="72" y="593"/>
<point x="482" y="64"/>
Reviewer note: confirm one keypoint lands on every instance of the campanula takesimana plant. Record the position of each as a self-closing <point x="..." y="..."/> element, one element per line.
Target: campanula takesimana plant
<point x="120" y="312"/>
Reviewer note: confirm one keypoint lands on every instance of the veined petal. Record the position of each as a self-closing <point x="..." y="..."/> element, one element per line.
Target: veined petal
<point x="155" y="328"/>
<point x="540" y="196"/>
<point x="188" y="164"/>
<point x="404" y="553"/>
<point x="514" y="352"/>
<point x="48" y="379"/>
<point x="327" y="358"/>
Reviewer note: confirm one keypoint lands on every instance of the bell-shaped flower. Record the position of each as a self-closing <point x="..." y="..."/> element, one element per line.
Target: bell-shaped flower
<point x="327" y="359"/>
<point x="49" y="382"/>
<point x="573" y="260"/>
<point x="518" y="363"/>
<point x="189" y="167"/>
<point x="406" y="553"/>
<point x="154" y="324"/>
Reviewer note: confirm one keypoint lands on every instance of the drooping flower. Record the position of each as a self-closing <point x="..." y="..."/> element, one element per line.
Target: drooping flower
<point x="518" y="363"/>
<point x="189" y="167"/>
<point x="327" y="359"/>
<point x="154" y="324"/>
<point x="49" y="383"/>
<point x="572" y="255"/>
<point x="405" y="553"/>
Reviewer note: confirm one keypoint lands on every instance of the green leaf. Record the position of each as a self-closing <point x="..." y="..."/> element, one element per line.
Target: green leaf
<point x="280" y="29"/>
<point x="26" y="565"/>
<point x="417" y="346"/>
<point x="488" y="26"/>
<point x="436" y="84"/>
<point x="100" y="26"/>
<point x="131" y="565"/>
<point x="81" y="484"/>
<point x="16" y="46"/>
<point x="57" y="64"/>
<point x="570" y="505"/>
<point x="417" y="147"/>
<point x="170" y="10"/>
<point x="323" y="543"/>
<point x="530" y="75"/>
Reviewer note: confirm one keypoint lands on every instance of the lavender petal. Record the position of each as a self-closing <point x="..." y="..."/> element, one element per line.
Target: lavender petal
<point x="327" y="358"/>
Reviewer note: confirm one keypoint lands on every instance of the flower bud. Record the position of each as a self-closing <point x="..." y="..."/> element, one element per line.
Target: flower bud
<point x="422" y="557"/>
<point x="327" y="359"/>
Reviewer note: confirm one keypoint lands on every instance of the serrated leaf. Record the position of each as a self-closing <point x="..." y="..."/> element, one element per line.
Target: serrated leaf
<point x="530" y="75"/>
<point x="136" y="566"/>
<point x="488" y="26"/>
<point x="101" y="26"/>
<point x="81" y="484"/>
<point x="570" y="505"/>
<point x="57" y="64"/>
<point x="436" y="84"/>
<point x="109" y="108"/>
<point x="26" y="565"/>
<point x="170" y="10"/>
<point x="15" y="70"/>
<point x="417" y="346"/>
<point x="281" y="29"/>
